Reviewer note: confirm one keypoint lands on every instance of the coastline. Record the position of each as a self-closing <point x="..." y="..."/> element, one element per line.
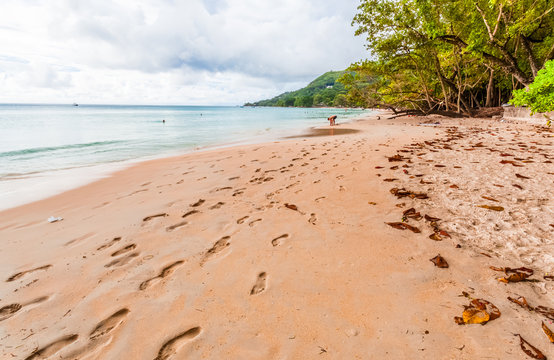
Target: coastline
<point x="39" y="186"/>
<point x="280" y="250"/>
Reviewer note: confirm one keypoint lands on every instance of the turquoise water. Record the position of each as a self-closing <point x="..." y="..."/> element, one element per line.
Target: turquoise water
<point x="37" y="140"/>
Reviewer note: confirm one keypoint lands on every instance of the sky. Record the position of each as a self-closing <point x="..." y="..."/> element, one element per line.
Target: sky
<point x="185" y="52"/>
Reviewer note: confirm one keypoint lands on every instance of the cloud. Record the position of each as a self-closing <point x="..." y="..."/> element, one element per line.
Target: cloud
<point x="205" y="51"/>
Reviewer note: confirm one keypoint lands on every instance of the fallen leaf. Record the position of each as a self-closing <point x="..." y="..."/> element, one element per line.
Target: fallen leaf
<point x="522" y="176"/>
<point x="478" y="311"/>
<point x="517" y="186"/>
<point x="400" y="193"/>
<point x="515" y="274"/>
<point x="431" y="218"/>
<point x="521" y="301"/>
<point x="548" y="277"/>
<point x="454" y="187"/>
<point x="439" y="262"/>
<point x="396" y="157"/>
<point x="529" y="349"/>
<point x="403" y="226"/>
<point x="390" y="179"/>
<point x="291" y="206"/>
<point x="435" y="236"/>
<point x="548" y="332"/>
<point x="440" y="166"/>
<point x="495" y="208"/>
<point x="379" y="167"/>
<point x="489" y="198"/>
<point x="394" y="167"/>
<point x="543" y="310"/>
<point x="372" y="203"/>
<point x="412" y="214"/>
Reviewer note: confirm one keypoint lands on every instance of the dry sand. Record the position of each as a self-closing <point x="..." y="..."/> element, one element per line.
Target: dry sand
<point x="281" y="251"/>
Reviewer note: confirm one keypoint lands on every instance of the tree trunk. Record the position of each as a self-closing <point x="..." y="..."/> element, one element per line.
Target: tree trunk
<point x="490" y="89"/>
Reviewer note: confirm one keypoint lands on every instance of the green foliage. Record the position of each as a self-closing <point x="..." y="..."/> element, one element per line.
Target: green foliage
<point x="450" y="55"/>
<point x="539" y="97"/>
<point x="320" y="92"/>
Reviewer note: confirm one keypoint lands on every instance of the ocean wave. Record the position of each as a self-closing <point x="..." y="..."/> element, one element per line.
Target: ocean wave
<point x="56" y="148"/>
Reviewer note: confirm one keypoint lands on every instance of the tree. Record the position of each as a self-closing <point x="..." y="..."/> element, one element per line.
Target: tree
<point x="454" y="55"/>
<point x="539" y="97"/>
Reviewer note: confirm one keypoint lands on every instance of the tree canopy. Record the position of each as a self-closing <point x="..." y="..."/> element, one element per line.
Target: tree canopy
<point x="431" y="55"/>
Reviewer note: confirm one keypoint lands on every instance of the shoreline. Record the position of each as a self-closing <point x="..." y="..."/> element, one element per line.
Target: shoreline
<point x="46" y="184"/>
<point x="282" y="249"/>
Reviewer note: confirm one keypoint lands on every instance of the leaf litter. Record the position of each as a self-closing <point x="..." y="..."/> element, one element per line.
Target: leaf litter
<point x="478" y="311"/>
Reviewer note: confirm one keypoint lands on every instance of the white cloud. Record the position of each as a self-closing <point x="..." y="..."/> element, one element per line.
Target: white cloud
<point x="170" y="51"/>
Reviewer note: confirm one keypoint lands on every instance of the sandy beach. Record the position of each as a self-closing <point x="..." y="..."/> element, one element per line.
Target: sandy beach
<point x="283" y="251"/>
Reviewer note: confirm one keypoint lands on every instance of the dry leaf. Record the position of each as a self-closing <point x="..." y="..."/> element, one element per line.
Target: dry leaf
<point x="412" y="214"/>
<point x="548" y="332"/>
<point x="454" y="186"/>
<point x="403" y="226"/>
<point x="478" y="311"/>
<point x="517" y="186"/>
<point x="390" y="179"/>
<point x="515" y="274"/>
<point x="431" y="218"/>
<point x="548" y="277"/>
<point x="435" y="236"/>
<point x="396" y="157"/>
<point x="379" y="167"/>
<point x="495" y="208"/>
<point x="489" y="198"/>
<point x="291" y="206"/>
<point x="529" y="349"/>
<point x="372" y="203"/>
<point x="439" y="262"/>
<point x="522" y="176"/>
<point x="543" y="310"/>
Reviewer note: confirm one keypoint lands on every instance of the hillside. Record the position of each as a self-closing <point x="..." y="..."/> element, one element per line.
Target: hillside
<point x="326" y="90"/>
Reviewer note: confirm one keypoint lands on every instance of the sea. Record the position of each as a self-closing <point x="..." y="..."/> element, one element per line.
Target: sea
<point x="48" y="149"/>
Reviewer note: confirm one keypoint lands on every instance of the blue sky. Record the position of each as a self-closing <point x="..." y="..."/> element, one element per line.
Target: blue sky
<point x="197" y="52"/>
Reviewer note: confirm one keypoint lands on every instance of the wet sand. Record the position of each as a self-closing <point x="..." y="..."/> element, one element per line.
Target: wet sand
<point x="282" y="251"/>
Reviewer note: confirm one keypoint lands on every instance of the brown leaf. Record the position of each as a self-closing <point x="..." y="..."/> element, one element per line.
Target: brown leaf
<point x="489" y="198"/>
<point x="394" y="167"/>
<point x="548" y="332"/>
<point x="412" y="214"/>
<point x="454" y="186"/>
<point x="548" y="277"/>
<point x="372" y="203"/>
<point x="530" y="350"/>
<point x="439" y="262"/>
<point x="396" y="157"/>
<point x="431" y="218"/>
<point x="521" y="301"/>
<point x="515" y="274"/>
<point x="403" y="226"/>
<point x="545" y="311"/>
<point x="390" y="179"/>
<point x="495" y="208"/>
<point x="379" y="167"/>
<point x="478" y="311"/>
<point x="522" y="176"/>
<point x="435" y="236"/>
<point x="291" y="206"/>
<point x="517" y="186"/>
<point x="440" y="166"/>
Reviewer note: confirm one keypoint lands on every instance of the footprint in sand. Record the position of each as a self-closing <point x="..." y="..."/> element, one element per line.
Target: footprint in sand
<point x="108" y="325"/>
<point x="125" y="249"/>
<point x="254" y="222"/>
<point x="176" y="226"/>
<point x="198" y="203"/>
<point x="23" y="273"/>
<point x="166" y="271"/>
<point x="148" y="218"/>
<point x="172" y="346"/>
<point x="52" y="348"/>
<point x="123" y="260"/>
<point x="218" y="247"/>
<point x="260" y="284"/>
<point x="278" y="240"/>
<point x="109" y="244"/>
<point x="192" y="212"/>
<point x="8" y="311"/>
<point x="242" y="219"/>
<point x="217" y="206"/>
<point x="312" y="219"/>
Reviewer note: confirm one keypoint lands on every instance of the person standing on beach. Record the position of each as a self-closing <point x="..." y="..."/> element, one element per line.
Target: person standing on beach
<point x="332" y="120"/>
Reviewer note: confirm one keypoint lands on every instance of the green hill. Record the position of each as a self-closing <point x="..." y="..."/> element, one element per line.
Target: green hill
<point x="326" y="90"/>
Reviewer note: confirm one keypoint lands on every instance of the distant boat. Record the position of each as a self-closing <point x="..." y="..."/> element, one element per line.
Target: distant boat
<point x="75" y="104"/>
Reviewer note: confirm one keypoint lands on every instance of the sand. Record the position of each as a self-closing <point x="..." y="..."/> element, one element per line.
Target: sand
<point x="281" y="251"/>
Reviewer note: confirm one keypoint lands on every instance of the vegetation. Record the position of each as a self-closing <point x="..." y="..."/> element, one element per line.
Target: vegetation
<point x="539" y="97"/>
<point x="452" y="56"/>
<point x="326" y="90"/>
